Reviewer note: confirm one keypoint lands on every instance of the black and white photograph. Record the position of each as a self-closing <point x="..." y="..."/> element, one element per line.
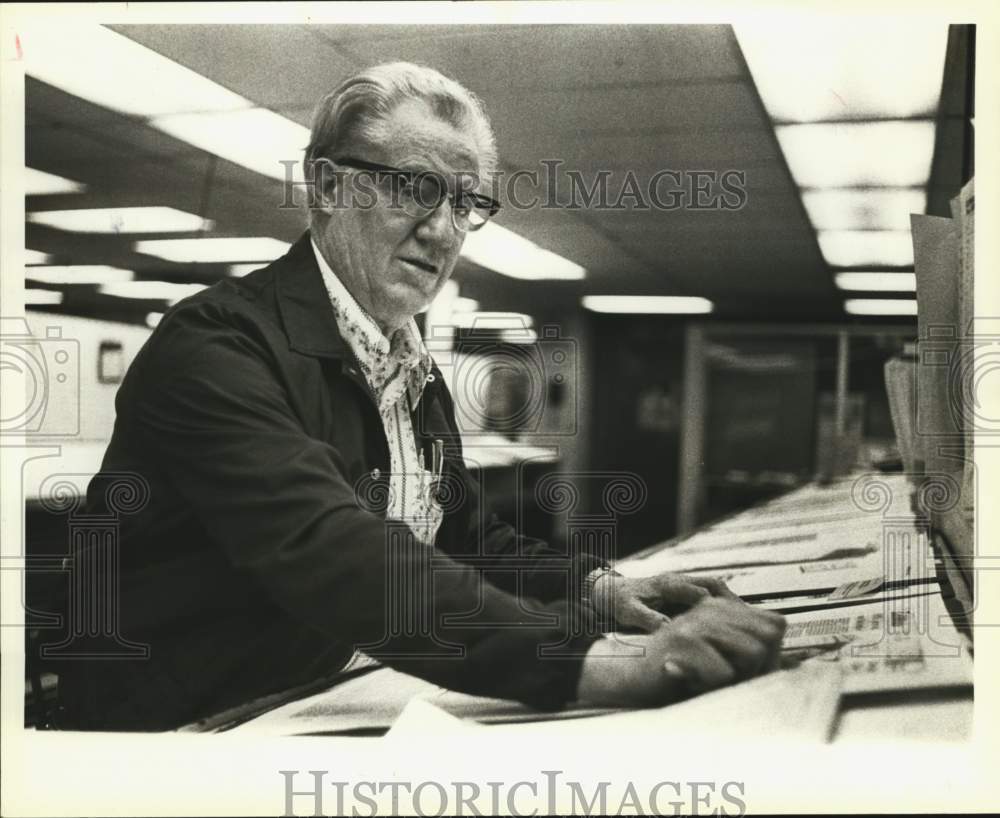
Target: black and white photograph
<point x="498" y="409"/>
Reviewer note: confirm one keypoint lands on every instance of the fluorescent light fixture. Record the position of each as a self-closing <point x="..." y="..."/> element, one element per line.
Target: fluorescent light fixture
<point x="875" y="209"/>
<point x="214" y="250"/>
<point x="153" y="318"/>
<point x="274" y="138"/>
<point x="647" y="304"/>
<point x="242" y="269"/>
<point x="517" y="335"/>
<point x="880" y="306"/>
<point x="882" y="282"/>
<point x="38" y="298"/>
<point x="503" y="251"/>
<point x="79" y="274"/>
<point x="832" y="70"/>
<point x="90" y="62"/>
<point x="107" y="68"/>
<point x="169" y="291"/>
<point x="866" y="248"/>
<point x="121" y="220"/>
<point x="493" y="320"/>
<point x="858" y="154"/>
<point x="35" y="257"/>
<point x="40" y="183"/>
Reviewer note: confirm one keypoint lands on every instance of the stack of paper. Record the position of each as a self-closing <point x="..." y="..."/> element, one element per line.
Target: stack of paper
<point x="904" y="644"/>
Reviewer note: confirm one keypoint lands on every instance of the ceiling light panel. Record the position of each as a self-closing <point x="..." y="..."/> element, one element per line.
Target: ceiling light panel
<point x="169" y="291"/>
<point x="877" y="282"/>
<point x="256" y="139"/>
<point x="855" y="154"/>
<point x="214" y="250"/>
<point x="39" y="298"/>
<point x="880" y="306"/>
<point x="875" y="209"/>
<point x="108" y="69"/>
<point x="36" y="257"/>
<point x="503" y="251"/>
<point x="493" y="320"/>
<point x="78" y="274"/>
<point x="122" y="220"/>
<point x="866" y="248"/>
<point x="111" y="70"/>
<point x="40" y="183"/>
<point x="831" y="70"/>
<point x="647" y="304"/>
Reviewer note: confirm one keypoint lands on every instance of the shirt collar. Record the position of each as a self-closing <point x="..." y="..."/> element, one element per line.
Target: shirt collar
<point x="402" y="361"/>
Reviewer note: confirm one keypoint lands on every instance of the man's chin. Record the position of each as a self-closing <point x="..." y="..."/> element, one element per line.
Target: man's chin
<point x="408" y="303"/>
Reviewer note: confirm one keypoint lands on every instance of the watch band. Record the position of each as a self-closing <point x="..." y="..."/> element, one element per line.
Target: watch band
<point x="604" y="617"/>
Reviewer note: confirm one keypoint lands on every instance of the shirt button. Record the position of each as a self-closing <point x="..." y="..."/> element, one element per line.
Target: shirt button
<point x="376" y="474"/>
<point x="430" y="378"/>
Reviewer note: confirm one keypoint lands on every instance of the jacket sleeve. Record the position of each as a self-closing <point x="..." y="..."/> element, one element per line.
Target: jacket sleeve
<point x="209" y="409"/>
<point x="518" y="564"/>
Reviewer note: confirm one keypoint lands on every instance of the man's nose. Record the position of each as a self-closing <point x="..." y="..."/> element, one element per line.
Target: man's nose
<point x="437" y="225"/>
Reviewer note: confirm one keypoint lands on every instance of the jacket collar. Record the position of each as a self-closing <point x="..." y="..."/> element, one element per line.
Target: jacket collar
<point x="305" y="305"/>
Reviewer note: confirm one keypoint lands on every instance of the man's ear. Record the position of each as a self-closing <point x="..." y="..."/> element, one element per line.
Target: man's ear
<point x="324" y="185"/>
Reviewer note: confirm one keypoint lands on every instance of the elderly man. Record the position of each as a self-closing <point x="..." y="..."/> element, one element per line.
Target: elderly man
<point x="298" y="443"/>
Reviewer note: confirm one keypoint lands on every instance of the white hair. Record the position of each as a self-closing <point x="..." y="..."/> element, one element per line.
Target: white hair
<point x="359" y="106"/>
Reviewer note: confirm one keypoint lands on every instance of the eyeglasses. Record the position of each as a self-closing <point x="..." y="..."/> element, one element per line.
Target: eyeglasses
<point x="420" y="193"/>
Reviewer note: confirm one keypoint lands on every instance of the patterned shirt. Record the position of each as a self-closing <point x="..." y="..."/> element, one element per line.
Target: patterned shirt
<point x="396" y="370"/>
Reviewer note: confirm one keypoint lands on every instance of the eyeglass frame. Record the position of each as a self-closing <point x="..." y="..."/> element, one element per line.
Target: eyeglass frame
<point x="490" y="205"/>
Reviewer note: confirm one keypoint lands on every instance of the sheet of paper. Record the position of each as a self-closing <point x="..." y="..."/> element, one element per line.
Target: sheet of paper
<point x="747" y="524"/>
<point x="800" y="604"/>
<point x="857" y="530"/>
<point x="504" y="711"/>
<point x="806" y="577"/>
<point x="900" y="644"/>
<point x="421" y="718"/>
<point x="372" y="703"/>
<point x="367" y="704"/>
<point x="778" y="553"/>
<point x="787" y="563"/>
<point x="798" y="705"/>
<point x="858" y="587"/>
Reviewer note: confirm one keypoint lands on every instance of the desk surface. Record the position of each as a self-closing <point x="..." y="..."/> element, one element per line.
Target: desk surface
<point x="792" y="552"/>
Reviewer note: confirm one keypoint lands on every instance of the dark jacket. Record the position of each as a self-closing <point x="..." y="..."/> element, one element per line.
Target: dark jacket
<point x="263" y="556"/>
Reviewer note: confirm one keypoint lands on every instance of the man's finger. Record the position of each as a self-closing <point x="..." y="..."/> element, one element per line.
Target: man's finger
<point x="679" y="590"/>
<point x="642" y="616"/>
<point x="766" y="625"/>
<point x="723" y="616"/>
<point x="716" y="587"/>
<point x="702" y="666"/>
<point x="747" y="653"/>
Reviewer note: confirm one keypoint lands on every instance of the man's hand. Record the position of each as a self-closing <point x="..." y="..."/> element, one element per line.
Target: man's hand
<point x="640" y="603"/>
<point x="715" y="643"/>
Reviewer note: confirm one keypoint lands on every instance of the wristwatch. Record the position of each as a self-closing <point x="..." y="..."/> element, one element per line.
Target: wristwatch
<point x="605" y="617"/>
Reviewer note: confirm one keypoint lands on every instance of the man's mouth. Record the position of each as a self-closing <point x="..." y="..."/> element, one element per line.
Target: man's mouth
<point x="426" y="266"/>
